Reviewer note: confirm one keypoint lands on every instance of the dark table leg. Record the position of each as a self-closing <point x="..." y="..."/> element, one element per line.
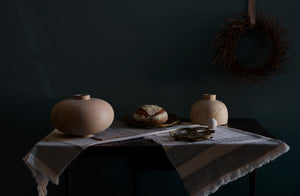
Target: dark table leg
<point x="133" y="172"/>
<point x="134" y="182"/>
<point x="252" y="182"/>
<point x="68" y="181"/>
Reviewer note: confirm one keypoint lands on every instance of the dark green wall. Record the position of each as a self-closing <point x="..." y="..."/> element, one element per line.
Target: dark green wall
<point x="129" y="53"/>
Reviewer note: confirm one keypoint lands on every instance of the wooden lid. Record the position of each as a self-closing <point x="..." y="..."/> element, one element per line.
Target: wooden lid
<point x="209" y="97"/>
<point x="82" y="97"/>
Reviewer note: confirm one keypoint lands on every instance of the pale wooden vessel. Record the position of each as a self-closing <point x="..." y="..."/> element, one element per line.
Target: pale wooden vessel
<point x="82" y="115"/>
<point x="204" y="110"/>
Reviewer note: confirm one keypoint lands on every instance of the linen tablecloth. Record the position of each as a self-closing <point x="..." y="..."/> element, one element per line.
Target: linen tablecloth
<point x="206" y="165"/>
<point x="203" y="166"/>
<point x="51" y="156"/>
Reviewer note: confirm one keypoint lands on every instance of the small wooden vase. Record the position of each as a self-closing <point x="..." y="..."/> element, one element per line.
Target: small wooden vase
<point x="204" y="110"/>
<point x="82" y="115"/>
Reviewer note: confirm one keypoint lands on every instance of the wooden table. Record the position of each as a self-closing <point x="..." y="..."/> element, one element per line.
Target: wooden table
<point x="142" y="154"/>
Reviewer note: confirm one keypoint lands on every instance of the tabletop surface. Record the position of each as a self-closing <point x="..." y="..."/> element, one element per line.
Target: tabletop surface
<point x="146" y="154"/>
<point x="250" y="125"/>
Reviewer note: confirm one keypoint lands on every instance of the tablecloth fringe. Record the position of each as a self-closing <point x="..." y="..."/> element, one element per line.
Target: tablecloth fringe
<point x="41" y="172"/>
<point x="242" y="171"/>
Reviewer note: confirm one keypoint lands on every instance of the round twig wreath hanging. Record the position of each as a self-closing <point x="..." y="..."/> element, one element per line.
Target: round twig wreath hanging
<point x="233" y="29"/>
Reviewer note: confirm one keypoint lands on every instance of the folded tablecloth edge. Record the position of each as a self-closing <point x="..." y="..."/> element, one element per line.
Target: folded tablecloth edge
<point x="242" y="171"/>
<point x="41" y="173"/>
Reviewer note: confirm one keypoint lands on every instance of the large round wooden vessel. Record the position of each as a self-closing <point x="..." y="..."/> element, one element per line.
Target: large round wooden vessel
<point x="82" y="115"/>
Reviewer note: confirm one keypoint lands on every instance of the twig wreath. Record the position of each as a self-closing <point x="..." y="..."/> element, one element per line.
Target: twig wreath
<point x="233" y="29"/>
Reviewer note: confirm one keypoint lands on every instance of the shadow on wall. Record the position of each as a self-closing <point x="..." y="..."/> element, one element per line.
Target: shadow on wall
<point x="131" y="53"/>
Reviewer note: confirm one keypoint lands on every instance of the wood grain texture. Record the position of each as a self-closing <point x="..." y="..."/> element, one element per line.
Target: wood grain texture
<point x="204" y="110"/>
<point x="82" y="115"/>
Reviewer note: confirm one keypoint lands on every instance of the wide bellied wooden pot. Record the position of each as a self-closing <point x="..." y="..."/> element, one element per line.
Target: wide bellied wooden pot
<point x="82" y="115"/>
<point x="204" y="110"/>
